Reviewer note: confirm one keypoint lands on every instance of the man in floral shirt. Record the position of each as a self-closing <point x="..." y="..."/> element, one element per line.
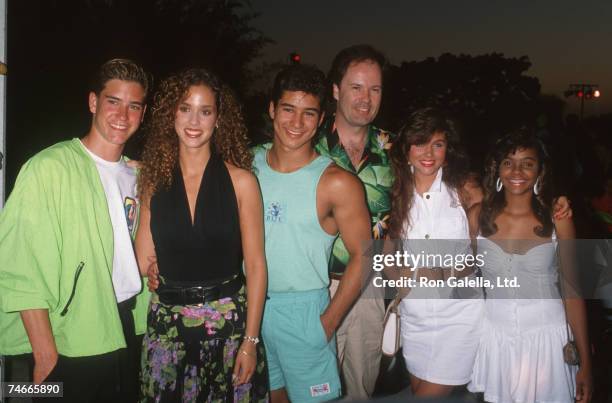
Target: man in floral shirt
<point x="349" y="138"/>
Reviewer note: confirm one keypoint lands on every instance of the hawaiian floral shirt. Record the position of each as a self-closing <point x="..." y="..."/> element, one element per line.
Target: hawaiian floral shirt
<point x="374" y="170"/>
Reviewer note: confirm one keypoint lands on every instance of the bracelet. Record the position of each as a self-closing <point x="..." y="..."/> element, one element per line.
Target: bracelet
<point x="245" y="353"/>
<point x="252" y="339"/>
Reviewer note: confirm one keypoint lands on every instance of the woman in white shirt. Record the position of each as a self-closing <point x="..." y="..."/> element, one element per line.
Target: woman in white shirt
<point x="439" y="333"/>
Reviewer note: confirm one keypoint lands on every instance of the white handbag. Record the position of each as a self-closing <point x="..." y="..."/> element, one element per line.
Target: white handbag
<point x="391" y="340"/>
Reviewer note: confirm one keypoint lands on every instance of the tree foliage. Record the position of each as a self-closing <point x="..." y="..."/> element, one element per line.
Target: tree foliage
<point x="487" y="93"/>
<point x="55" y="45"/>
<point x="165" y="35"/>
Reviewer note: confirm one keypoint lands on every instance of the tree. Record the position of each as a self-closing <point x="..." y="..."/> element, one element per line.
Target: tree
<point x="55" y="45"/>
<point x="488" y="94"/>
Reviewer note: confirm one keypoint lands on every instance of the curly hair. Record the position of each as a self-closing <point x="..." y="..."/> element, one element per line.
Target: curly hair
<point x="494" y="201"/>
<point x="160" y="155"/>
<point x="419" y="129"/>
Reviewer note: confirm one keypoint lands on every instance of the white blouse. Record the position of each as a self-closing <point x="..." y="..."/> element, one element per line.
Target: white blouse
<point x="437" y="214"/>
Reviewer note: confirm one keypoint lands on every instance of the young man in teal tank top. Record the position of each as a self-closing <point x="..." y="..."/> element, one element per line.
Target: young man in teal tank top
<point x="308" y="200"/>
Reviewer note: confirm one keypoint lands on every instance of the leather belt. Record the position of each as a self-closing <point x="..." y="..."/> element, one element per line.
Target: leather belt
<point x="199" y="294"/>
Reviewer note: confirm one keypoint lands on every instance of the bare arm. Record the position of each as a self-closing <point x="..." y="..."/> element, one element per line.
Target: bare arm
<point x="351" y="216"/>
<point x="561" y="208"/>
<point x="145" y="249"/>
<point x="473" y="214"/>
<point x="575" y="308"/>
<point x="471" y="193"/>
<point x="250" y="211"/>
<point x="38" y="328"/>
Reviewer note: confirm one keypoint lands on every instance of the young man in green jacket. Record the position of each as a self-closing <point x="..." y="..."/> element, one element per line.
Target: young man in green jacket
<point x="68" y="274"/>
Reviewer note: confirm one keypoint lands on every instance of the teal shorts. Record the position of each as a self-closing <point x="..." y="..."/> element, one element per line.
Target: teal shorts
<point x="300" y="359"/>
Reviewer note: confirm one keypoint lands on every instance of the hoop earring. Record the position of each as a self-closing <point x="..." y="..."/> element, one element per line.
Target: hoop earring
<point x="411" y="168"/>
<point x="537" y="187"/>
<point x="499" y="185"/>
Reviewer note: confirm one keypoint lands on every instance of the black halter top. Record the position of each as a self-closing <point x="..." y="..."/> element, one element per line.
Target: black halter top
<point x="209" y="250"/>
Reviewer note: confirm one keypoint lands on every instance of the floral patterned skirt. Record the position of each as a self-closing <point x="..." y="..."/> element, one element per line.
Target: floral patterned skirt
<point x="189" y="353"/>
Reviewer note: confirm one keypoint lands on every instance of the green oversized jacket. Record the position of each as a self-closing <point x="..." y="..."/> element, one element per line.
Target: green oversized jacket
<point x="56" y="253"/>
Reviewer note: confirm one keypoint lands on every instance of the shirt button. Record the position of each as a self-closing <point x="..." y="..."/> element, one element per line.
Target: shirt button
<point x="426" y="236"/>
<point x="427" y="197"/>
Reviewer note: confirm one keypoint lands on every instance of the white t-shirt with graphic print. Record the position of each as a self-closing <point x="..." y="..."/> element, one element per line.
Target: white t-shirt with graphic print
<point x="119" y="182"/>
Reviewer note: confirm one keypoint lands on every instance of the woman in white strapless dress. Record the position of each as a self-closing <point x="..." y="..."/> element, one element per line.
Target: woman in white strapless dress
<point x="520" y="356"/>
<point x="439" y="334"/>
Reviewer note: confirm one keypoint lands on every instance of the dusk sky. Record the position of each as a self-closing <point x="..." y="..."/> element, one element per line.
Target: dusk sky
<point x="566" y="41"/>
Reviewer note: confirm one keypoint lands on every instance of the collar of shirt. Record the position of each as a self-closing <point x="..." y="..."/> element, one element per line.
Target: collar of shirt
<point x="377" y="144"/>
<point x="436" y="186"/>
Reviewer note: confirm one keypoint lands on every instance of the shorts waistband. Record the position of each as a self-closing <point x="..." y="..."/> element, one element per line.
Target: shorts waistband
<point x="296" y="296"/>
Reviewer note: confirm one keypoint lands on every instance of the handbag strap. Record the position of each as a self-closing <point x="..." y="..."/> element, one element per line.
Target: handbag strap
<point x="567" y="326"/>
<point x="394" y="305"/>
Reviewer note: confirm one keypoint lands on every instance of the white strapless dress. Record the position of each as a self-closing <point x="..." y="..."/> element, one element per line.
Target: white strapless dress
<point x="520" y="356"/>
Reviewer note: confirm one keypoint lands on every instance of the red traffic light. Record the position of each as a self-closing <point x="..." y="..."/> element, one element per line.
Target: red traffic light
<point x="580" y="94"/>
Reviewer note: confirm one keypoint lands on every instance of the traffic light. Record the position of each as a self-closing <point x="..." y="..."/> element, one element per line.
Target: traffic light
<point x="583" y="91"/>
<point x="295" y="58"/>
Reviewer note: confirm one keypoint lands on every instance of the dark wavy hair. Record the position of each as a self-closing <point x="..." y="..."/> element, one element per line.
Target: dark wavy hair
<point x="419" y="129"/>
<point x="160" y="154"/>
<point x="299" y="77"/>
<point x="494" y="201"/>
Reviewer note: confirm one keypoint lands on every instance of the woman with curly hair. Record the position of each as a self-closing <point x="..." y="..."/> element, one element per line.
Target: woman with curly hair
<point x="201" y="217"/>
<point x="439" y="336"/>
<point x="521" y="354"/>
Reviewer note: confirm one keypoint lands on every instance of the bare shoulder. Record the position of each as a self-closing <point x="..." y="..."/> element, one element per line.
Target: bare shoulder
<point x="337" y="179"/>
<point x="242" y="179"/>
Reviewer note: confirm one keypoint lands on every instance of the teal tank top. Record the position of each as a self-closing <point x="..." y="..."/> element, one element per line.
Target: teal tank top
<point x="297" y="248"/>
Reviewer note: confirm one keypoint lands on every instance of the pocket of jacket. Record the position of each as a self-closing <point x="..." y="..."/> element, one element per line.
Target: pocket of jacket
<point x="77" y="274"/>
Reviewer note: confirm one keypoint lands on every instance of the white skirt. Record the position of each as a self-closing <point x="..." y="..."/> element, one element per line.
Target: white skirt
<point x="440" y="338"/>
<point x="520" y="357"/>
